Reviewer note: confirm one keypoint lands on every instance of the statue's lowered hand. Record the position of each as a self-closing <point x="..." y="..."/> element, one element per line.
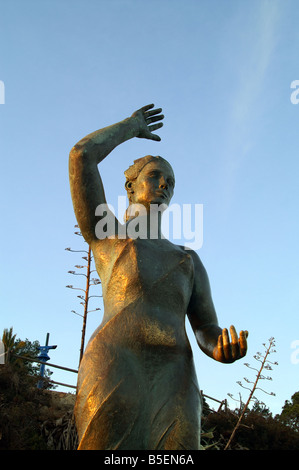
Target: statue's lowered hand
<point x="229" y="351"/>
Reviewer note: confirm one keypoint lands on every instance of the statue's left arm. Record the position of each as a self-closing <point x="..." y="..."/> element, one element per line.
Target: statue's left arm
<point x="213" y="340"/>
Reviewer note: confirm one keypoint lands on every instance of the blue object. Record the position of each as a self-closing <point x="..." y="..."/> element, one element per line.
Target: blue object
<point x="43" y="356"/>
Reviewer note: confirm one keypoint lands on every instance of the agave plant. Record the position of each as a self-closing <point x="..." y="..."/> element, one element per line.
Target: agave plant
<point x="11" y="345"/>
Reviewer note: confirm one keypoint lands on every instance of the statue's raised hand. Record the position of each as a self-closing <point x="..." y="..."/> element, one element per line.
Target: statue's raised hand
<point x="229" y="351"/>
<point x="144" y="117"/>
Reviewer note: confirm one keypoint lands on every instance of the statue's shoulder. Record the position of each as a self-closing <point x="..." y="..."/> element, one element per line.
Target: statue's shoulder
<point x="197" y="262"/>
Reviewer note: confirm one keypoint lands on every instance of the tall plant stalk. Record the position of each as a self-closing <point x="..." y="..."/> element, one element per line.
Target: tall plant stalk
<point x="264" y="364"/>
<point x="85" y="298"/>
<point x="85" y="304"/>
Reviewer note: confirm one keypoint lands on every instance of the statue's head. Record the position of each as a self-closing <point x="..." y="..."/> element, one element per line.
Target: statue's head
<point x="150" y="180"/>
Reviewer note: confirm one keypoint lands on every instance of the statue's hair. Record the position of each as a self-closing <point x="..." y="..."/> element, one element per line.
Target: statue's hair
<point x="133" y="171"/>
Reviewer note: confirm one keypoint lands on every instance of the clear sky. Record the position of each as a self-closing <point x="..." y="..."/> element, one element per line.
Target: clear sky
<point x="222" y="72"/>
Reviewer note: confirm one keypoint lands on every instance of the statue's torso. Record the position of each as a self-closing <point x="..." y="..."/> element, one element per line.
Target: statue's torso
<point x="151" y="279"/>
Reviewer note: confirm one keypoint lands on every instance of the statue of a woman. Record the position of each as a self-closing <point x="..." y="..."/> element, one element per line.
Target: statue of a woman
<point x="137" y="387"/>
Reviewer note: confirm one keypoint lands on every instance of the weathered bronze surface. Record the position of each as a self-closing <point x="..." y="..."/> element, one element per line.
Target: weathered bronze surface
<point x="137" y="387"/>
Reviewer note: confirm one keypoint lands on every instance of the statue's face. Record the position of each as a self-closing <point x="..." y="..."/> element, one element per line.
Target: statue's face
<point x="154" y="184"/>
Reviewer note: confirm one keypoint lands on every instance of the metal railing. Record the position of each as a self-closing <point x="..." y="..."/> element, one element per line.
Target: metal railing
<point x="222" y="402"/>
<point x="48" y="364"/>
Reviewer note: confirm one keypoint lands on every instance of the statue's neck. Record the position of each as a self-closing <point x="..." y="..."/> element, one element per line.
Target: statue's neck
<point x="146" y="225"/>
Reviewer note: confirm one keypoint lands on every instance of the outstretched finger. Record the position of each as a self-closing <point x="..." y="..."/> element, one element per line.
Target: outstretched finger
<point x="154" y="118"/>
<point x="243" y="343"/>
<point x="226" y="345"/>
<point x="147" y="107"/>
<point x="234" y="343"/>
<point x="154" y="127"/>
<point x="153" y="112"/>
<point x="220" y="355"/>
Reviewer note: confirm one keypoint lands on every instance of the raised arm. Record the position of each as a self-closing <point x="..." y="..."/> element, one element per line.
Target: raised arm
<point x="213" y="340"/>
<point x="86" y="185"/>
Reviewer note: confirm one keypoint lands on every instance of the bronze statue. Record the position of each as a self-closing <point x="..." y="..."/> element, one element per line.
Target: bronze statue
<point x="137" y="386"/>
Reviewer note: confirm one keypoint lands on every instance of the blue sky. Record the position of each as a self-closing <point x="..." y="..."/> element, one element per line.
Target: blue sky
<point x="222" y="72"/>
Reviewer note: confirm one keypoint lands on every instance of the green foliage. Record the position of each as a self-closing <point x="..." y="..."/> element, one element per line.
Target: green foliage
<point x="10" y="342"/>
<point x="256" y="428"/>
<point x="30" y="419"/>
<point x="290" y="412"/>
<point x="264" y="364"/>
<point x="257" y="431"/>
<point x="19" y="407"/>
<point x="261" y="408"/>
<point x="17" y="348"/>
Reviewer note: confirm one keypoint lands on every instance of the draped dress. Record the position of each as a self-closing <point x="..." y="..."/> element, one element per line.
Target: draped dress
<point x="137" y="386"/>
